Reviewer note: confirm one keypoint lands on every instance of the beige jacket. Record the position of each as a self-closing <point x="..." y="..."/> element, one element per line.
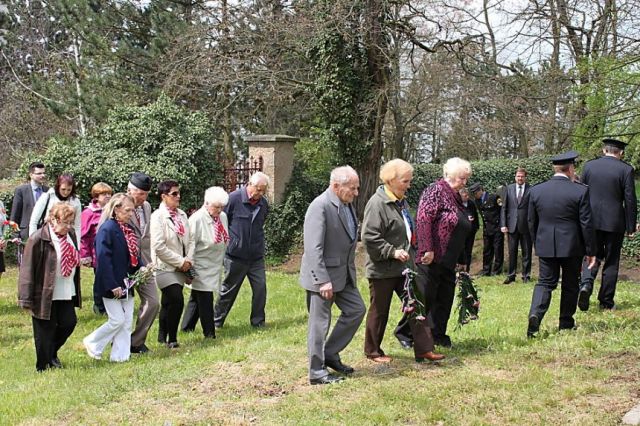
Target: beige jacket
<point x="168" y="250"/>
<point x="208" y="255"/>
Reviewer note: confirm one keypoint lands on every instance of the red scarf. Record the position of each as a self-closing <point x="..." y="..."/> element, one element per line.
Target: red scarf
<point x="69" y="258"/>
<point x="177" y="221"/>
<point x="220" y="234"/>
<point x="132" y="243"/>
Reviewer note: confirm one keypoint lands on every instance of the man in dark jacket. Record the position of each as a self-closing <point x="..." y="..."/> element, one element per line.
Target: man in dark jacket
<point x="562" y="231"/>
<point x="513" y="222"/>
<point x="613" y="203"/>
<point x="489" y="206"/>
<point x="471" y="211"/>
<point x="25" y="197"/>
<point x="246" y="211"/>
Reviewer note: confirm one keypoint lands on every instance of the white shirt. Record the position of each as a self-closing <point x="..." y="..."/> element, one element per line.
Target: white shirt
<point x="63" y="288"/>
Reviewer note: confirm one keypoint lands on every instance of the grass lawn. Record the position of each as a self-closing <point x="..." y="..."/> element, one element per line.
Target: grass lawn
<point x="493" y="374"/>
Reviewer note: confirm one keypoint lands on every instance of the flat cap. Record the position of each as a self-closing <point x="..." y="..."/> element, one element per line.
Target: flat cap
<point x="474" y="187"/>
<point x="568" y="157"/>
<point x="140" y="181"/>
<point x="614" y="142"/>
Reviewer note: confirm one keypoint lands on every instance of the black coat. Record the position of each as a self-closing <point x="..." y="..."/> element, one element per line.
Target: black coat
<point x="471" y="211"/>
<point x="513" y="215"/>
<point x="612" y="194"/>
<point x="489" y="209"/>
<point x="560" y="219"/>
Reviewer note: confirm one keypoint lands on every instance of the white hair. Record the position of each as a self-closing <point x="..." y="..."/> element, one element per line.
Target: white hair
<point x="342" y="175"/>
<point x="455" y="167"/>
<point x="257" y="178"/>
<point x="216" y="195"/>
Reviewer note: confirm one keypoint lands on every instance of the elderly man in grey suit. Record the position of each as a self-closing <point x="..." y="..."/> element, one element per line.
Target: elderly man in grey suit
<point x="139" y="187"/>
<point x="328" y="274"/>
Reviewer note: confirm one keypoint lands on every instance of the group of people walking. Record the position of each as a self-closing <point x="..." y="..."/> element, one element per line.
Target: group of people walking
<point x="569" y="223"/>
<point x="572" y="225"/>
<point x="118" y="234"/>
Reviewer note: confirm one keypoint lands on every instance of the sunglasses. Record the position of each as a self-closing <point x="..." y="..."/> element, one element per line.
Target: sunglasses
<point x="175" y="193"/>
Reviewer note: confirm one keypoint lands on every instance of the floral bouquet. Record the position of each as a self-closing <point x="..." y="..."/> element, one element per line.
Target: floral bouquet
<point x="140" y="277"/>
<point x="11" y="233"/>
<point x="412" y="299"/>
<point x="468" y="300"/>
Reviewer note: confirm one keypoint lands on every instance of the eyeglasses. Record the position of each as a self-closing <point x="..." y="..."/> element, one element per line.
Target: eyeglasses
<point x="61" y="223"/>
<point x="175" y="193"/>
<point x="39" y="173"/>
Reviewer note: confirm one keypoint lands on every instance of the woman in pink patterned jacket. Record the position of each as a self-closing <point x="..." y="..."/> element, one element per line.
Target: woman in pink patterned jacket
<point x="100" y="195"/>
<point x="442" y="227"/>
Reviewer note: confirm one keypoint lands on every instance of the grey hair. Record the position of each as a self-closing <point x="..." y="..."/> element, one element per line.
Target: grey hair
<point x="455" y="167"/>
<point x="342" y="175"/>
<point x="258" y="177"/>
<point x="108" y="211"/>
<point x="216" y="195"/>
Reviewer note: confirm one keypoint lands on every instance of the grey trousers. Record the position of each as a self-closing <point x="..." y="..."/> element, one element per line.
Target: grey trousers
<point x="319" y="346"/>
<point x="235" y="272"/>
<point x="149" y="307"/>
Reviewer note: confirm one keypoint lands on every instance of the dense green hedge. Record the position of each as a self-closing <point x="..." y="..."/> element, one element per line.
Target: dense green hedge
<point x="492" y="174"/>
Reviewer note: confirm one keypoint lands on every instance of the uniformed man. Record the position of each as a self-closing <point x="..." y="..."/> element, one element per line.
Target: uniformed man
<point x="489" y="206"/>
<point x="613" y="205"/>
<point x="562" y="232"/>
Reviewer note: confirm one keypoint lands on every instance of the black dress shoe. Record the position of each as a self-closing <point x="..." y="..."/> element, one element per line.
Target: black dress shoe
<point x="534" y="326"/>
<point x="55" y="363"/>
<point x="406" y="344"/>
<point x="526" y="279"/>
<point x="339" y="367"/>
<point x="259" y="325"/>
<point x="173" y="345"/>
<point x="583" y="299"/>
<point x="509" y="280"/>
<point x="142" y="349"/>
<point x="326" y="380"/>
<point x="444" y="341"/>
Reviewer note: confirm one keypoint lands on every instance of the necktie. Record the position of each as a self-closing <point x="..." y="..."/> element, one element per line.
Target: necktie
<point x="519" y="194"/>
<point x="137" y="216"/>
<point x="351" y="223"/>
<point x="69" y="258"/>
<point x="38" y="192"/>
<point x="132" y="243"/>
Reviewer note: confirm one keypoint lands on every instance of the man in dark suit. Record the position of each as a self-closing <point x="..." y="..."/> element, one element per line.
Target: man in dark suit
<point x="562" y="231"/>
<point x="493" y="241"/>
<point x="513" y="222"/>
<point x="613" y="203"/>
<point x="328" y="274"/>
<point x="471" y="211"/>
<point x="25" y="197"/>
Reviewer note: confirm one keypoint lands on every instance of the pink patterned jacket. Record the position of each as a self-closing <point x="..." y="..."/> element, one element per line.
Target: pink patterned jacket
<point x="88" y="227"/>
<point x="436" y="218"/>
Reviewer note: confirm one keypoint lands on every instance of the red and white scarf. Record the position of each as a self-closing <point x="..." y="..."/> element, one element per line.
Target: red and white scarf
<point x="220" y="234"/>
<point x="177" y="221"/>
<point x="132" y="243"/>
<point x="69" y="257"/>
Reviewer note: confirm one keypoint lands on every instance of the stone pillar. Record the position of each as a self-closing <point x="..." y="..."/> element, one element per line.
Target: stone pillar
<point x="277" y="153"/>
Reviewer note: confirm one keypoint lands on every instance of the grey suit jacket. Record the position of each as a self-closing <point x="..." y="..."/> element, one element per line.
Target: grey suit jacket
<point x="329" y="251"/>
<point x="22" y="206"/>
<point x="513" y="215"/>
<point x="143" y="234"/>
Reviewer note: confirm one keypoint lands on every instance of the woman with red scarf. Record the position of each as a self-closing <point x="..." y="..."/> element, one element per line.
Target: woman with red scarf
<point x="442" y="227"/>
<point x="172" y="252"/>
<point x="118" y="256"/>
<point x="210" y="236"/>
<point x="49" y="284"/>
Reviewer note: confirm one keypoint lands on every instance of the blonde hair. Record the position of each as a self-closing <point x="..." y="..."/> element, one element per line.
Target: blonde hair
<point x="393" y="169"/>
<point x="455" y="167"/>
<point x="62" y="211"/>
<point x="108" y="212"/>
<point x="100" y="188"/>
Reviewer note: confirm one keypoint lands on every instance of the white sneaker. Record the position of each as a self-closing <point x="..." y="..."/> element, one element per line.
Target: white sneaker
<point x="90" y="352"/>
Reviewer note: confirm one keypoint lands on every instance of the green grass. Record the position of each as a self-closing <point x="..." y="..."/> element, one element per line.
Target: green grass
<point x="493" y="375"/>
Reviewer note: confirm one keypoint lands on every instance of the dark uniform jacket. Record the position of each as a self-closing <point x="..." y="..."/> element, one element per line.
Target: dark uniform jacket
<point x="611" y="183"/>
<point x="560" y="219"/>
<point x="489" y="207"/>
<point x="513" y="215"/>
